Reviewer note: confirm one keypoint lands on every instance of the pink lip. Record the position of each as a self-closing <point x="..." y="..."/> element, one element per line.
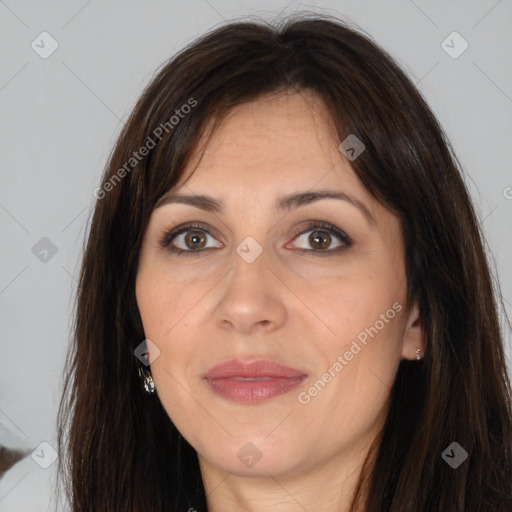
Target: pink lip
<point x="252" y="382"/>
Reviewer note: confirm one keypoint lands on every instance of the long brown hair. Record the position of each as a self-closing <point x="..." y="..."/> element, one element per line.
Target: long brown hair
<point x="119" y="450"/>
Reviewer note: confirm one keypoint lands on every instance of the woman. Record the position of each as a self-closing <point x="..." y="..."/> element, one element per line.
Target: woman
<point x="284" y="302"/>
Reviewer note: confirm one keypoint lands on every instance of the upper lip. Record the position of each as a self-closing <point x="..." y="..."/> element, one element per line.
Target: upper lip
<point x="259" y="368"/>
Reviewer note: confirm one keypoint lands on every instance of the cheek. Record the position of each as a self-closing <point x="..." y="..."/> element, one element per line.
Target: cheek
<point x="351" y="296"/>
<point x="161" y="302"/>
<point x="361" y="347"/>
<point x="166" y="310"/>
<point x="349" y="305"/>
<point x="164" y="320"/>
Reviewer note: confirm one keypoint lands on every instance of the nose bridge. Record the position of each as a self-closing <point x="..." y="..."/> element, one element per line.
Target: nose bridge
<point x="250" y="250"/>
<point x="250" y="260"/>
<point x="249" y="298"/>
<point x="253" y="243"/>
<point x="254" y="258"/>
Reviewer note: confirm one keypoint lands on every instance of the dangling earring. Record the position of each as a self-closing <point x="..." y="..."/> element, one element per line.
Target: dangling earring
<point x="418" y="354"/>
<point x="147" y="380"/>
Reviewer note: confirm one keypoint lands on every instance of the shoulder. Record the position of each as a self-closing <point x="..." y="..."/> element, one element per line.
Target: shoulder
<point x="26" y="486"/>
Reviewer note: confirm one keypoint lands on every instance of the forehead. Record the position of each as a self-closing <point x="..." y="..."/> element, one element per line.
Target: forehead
<point x="285" y="118"/>
<point x="284" y="140"/>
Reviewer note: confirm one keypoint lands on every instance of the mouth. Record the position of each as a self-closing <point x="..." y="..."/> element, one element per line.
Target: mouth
<point x="252" y="382"/>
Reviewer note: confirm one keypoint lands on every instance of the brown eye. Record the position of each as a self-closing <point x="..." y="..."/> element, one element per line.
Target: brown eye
<point x="192" y="239"/>
<point x="189" y="240"/>
<point x="195" y="239"/>
<point x="322" y="240"/>
<point x="319" y="239"/>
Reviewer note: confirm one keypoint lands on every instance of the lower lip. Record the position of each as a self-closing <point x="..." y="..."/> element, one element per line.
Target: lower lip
<point x="253" y="391"/>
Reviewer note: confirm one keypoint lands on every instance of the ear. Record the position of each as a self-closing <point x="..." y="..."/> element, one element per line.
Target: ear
<point x="414" y="336"/>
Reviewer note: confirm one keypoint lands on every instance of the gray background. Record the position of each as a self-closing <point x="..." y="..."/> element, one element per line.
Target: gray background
<point x="61" y="116"/>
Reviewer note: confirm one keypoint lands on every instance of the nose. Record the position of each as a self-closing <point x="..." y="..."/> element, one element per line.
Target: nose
<point x="251" y="299"/>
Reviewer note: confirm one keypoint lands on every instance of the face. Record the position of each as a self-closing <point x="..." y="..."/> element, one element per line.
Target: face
<point x="316" y="285"/>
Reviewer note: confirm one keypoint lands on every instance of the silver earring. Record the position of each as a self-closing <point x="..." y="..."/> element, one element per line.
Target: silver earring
<point x="147" y="380"/>
<point x="418" y="354"/>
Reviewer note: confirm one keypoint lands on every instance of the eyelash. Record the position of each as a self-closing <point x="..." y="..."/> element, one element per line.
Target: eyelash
<point x="168" y="236"/>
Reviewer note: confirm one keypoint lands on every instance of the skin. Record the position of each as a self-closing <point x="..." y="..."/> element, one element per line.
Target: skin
<point x="300" y="309"/>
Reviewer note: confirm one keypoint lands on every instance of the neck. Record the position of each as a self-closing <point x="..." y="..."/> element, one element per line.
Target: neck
<point x="329" y="486"/>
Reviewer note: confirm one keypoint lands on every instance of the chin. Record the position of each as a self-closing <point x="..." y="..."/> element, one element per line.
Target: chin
<point x="255" y="456"/>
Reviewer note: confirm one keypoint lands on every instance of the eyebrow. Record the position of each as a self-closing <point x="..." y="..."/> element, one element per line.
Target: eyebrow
<point x="283" y="204"/>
